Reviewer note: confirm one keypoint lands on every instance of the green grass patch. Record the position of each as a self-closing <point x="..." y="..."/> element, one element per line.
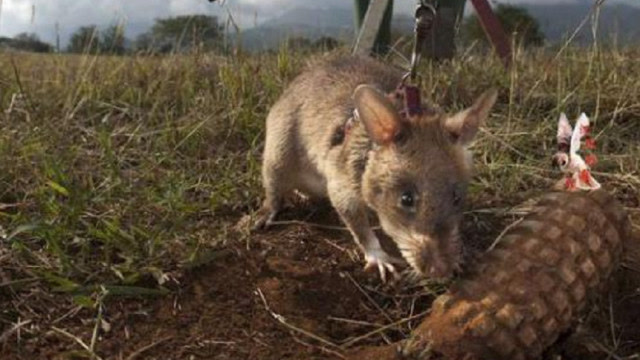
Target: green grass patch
<point x="117" y="170"/>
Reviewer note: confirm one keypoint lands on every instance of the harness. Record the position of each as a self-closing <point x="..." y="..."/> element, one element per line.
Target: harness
<point x="408" y="90"/>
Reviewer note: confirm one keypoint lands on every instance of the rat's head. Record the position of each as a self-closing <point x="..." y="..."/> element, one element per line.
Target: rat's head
<point x="416" y="177"/>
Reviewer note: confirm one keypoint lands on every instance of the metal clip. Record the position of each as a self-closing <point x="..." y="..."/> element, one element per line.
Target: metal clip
<point x="424" y="15"/>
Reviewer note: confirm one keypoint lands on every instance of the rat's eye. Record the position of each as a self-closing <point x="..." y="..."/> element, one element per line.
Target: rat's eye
<point x="407" y="199"/>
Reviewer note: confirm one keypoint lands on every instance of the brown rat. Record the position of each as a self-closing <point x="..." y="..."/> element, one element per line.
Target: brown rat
<point x="411" y="171"/>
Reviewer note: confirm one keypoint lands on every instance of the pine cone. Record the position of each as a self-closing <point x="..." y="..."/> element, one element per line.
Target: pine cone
<point x="518" y="298"/>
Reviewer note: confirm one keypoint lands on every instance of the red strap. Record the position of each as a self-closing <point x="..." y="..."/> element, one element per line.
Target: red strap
<point x="494" y="30"/>
<point x="412" y="101"/>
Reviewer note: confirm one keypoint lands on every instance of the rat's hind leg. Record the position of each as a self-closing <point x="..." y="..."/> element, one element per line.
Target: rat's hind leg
<point x="279" y="169"/>
<point x="276" y="187"/>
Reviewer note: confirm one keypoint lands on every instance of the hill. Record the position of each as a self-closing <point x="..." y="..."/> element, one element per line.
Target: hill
<point x="305" y="22"/>
<point x="557" y="20"/>
<point x="615" y="20"/>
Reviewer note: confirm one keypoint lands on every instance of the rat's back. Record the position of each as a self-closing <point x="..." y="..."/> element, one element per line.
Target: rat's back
<point x="319" y="101"/>
<point x="303" y="123"/>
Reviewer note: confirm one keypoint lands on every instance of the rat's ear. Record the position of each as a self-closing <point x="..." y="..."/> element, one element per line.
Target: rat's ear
<point x="375" y="110"/>
<point x="464" y="125"/>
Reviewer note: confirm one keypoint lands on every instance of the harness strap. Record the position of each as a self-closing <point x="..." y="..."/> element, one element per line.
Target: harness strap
<point x="412" y="102"/>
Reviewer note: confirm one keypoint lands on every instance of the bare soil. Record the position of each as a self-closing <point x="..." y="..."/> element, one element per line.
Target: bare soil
<point x="293" y="292"/>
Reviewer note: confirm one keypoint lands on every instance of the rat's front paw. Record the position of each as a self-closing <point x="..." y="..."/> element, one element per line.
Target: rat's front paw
<point x="264" y="218"/>
<point x="378" y="258"/>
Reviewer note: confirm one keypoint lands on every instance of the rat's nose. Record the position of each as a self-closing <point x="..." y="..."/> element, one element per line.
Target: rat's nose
<point x="440" y="271"/>
<point x="432" y="263"/>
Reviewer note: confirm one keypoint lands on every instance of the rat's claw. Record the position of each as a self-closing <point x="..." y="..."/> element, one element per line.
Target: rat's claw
<point x="264" y="219"/>
<point x="378" y="258"/>
<point x="383" y="268"/>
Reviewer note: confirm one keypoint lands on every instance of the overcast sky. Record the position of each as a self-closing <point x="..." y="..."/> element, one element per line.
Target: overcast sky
<point x="41" y="16"/>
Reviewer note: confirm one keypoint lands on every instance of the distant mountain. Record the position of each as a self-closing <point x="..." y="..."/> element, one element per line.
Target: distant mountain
<point x="300" y="22"/>
<point x="314" y="17"/>
<point x="556" y="21"/>
<point x="616" y="21"/>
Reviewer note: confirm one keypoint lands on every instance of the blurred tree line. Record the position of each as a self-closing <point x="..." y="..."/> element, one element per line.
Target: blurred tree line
<point x="25" y="42"/>
<point x="90" y="39"/>
<point x="204" y="33"/>
<point x="181" y="34"/>
<point x="324" y="43"/>
<point x="174" y="34"/>
<point x="516" y="21"/>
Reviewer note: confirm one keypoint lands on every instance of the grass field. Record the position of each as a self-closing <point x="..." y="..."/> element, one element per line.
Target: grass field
<point x="119" y="176"/>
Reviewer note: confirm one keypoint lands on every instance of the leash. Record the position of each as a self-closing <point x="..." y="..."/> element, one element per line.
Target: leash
<point x="424" y="18"/>
<point x="408" y="89"/>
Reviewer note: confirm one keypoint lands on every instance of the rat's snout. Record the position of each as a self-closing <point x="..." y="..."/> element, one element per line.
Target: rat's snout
<point x="437" y="257"/>
<point x="431" y="263"/>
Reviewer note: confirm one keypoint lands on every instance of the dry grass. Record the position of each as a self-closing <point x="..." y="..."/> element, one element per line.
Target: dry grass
<point x="116" y="174"/>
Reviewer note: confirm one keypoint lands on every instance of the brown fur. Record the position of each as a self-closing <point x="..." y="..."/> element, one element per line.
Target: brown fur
<point x="382" y="157"/>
